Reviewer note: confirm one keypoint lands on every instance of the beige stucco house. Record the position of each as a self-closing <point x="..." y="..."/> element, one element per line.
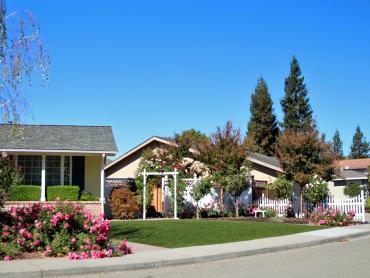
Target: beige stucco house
<point x="48" y="155"/>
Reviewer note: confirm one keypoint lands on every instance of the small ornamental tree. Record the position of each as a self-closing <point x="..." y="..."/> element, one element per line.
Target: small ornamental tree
<point x="281" y="188"/>
<point x="316" y="191"/>
<point x="302" y="155"/>
<point x="352" y="189"/>
<point x="200" y="190"/>
<point x="235" y="184"/>
<point x="8" y="176"/>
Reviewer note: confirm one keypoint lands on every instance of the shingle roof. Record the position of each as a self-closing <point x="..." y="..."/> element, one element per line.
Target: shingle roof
<point x="57" y="137"/>
<point x="352" y="174"/>
<point x="267" y="159"/>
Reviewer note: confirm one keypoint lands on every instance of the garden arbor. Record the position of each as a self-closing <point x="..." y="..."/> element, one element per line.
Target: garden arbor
<point x="174" y="174"/>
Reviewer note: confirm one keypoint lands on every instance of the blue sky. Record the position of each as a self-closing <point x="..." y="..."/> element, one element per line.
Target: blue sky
<point x="156" y="67"/>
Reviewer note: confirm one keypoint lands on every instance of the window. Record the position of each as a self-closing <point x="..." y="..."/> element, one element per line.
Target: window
<point x="67" y="170"/>
<point x="53" y="164"/>
<point x="30" y="168"/>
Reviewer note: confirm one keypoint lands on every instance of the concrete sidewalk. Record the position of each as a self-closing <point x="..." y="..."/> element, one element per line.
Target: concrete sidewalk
<point x="188" y="255"/>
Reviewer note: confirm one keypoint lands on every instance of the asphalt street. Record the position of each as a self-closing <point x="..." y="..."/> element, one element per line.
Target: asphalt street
<point x="341" y="259"/>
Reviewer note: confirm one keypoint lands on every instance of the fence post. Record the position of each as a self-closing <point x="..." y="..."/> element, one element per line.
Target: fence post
<point x="363" y="206"/>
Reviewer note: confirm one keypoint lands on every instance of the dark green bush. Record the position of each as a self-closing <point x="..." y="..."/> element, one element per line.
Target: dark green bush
<point x="63" y="192"/>
<point x="25" y="193"/>
<point x="86" y="196"/>
<point x="352" y="189"/>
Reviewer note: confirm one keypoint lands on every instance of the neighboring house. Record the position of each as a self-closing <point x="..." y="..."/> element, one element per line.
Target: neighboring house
<point x="48" y="155"/>
<point x="349" y="171"/>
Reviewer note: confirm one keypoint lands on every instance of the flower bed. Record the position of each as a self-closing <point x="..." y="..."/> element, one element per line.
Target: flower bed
<point x="331" y="217"/>
<point x="64" y="229"/>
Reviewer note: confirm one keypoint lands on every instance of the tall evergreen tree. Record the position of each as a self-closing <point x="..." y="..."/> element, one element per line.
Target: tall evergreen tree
<point x="262" y="127"/>
<point x="337" y="145"/>
<point x="295" y="104"/>
<point x="360" y="147"/>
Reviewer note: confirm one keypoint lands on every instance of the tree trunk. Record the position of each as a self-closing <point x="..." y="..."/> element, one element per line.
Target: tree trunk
<point x="222" y="200"/>
<point x="236" y="208"/>
<point x="301" y="201"/>
<point x="198" y="212"/>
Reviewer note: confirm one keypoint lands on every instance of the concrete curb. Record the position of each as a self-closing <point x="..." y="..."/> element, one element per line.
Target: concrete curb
<point x="64" y="267"/>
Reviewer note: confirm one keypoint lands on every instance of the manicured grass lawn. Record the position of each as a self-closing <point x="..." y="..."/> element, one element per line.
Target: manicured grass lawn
<point x="182" y="233"/>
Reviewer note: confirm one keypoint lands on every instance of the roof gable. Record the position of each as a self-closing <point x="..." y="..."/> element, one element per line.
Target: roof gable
<point x="267" y="161"/>
<point x="57" y="138"/>
<point x="138" y="148"/>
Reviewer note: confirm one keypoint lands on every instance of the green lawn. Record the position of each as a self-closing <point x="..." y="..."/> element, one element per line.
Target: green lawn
<point x="182" y="233"/>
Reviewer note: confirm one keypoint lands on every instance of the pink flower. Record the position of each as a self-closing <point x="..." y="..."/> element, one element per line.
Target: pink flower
<point x="73" y="240"/>
<point x="36" y="243"/>
<point x="8" y="258"/>
<point x="67" y="226"/>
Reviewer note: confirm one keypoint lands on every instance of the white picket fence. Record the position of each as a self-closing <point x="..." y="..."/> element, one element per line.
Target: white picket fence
<point x="356" y="204"/>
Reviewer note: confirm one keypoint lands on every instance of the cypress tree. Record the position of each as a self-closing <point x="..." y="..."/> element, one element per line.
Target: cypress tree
<point x="262" y="127"/>
<point x="360" y="147"/>
<point x="295" y="104"/>
<point x="337" y="145"/>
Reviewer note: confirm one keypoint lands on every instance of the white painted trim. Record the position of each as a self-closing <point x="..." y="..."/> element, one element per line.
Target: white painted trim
<point x="102" y="183"/>
<point x="43" y="179"/>
<point x="62" y="170"/>
<point x="347" y="179"/>
<point x="268" y="165"/>
<point x="142" y="145"/>
<point x="59" y="151"/>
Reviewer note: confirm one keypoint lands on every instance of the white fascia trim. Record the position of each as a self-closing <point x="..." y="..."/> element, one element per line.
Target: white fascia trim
<point x="142" y="145"/>
<point x="346" y="179"/>
<point x="58" y="151"/>
<point x="268" y="165"/>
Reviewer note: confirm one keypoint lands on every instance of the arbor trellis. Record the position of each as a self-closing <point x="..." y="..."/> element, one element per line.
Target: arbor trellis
<point x="174" y="174"/>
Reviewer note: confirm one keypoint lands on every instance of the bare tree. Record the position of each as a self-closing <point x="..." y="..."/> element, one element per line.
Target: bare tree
<point x="23" y="58"/>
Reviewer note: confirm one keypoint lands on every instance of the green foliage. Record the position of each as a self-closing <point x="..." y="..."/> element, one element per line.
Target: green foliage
<point x="186" y="143"/>
<point x="281" y="188"/>
<point x="262" y="127"/>
<point x="360" y="147"/>
<point x="352" y="189"/>
<point x="337" y="145"/>
<point x="8" y="176"/>
<point x="367" y="205"/>
<point x="86" y="196"/>
<point x="295" y="104"/>
<point x="270" y="213"/>
<point x="63" y="192"/>
<point x="316" y="191"/>
<point x="25" y="193"/>
<point x="199" y="190"/>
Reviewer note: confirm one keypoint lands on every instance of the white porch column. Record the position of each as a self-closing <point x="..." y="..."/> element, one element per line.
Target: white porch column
<point x="175" y="195"/>
<point x="102" y="183"/>
<point x="62" y="170"/>
<point x="43" y="179"/>
<point x="144" y="195"/>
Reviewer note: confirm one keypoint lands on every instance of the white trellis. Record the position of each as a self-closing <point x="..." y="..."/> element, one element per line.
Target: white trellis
<point x="165" y="176"/>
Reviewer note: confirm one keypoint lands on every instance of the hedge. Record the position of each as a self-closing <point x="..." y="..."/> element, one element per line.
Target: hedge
<point x="25" y="193"/>
<point x="63" y="192"/>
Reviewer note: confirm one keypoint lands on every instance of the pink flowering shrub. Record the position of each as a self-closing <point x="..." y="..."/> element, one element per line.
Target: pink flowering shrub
<point x="65" y="229"/>
<point x="331" y="217"/>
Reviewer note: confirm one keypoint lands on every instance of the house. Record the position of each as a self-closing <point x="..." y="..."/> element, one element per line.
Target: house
<point x="48" y="155"/>
<point x="123" y="170"/>
<point x="349" y="171"/>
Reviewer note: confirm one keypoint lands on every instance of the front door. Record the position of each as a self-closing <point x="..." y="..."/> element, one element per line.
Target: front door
<point x="156" y="203"/>
<point x="78" y="171"/>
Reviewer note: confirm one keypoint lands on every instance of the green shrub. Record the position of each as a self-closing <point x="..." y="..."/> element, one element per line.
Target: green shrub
<point x="63" y="192"/>
<point x="25" y="193"/>
<point x="270" y="213"/>
<point x="124" y="204"/>
<point x="86" y="196"/>
<point x="352" y="189"/>
<point x="367" y="205"/>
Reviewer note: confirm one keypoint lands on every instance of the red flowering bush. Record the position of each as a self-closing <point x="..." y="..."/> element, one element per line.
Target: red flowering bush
<point x="65" y="229"/>
<point x="331" y="217"/>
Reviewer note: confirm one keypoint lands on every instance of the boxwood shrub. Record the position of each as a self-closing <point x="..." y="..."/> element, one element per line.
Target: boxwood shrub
<point x="25" y="193"/>
<point x="86" y="196"/>
<point x="63" y="192"/>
